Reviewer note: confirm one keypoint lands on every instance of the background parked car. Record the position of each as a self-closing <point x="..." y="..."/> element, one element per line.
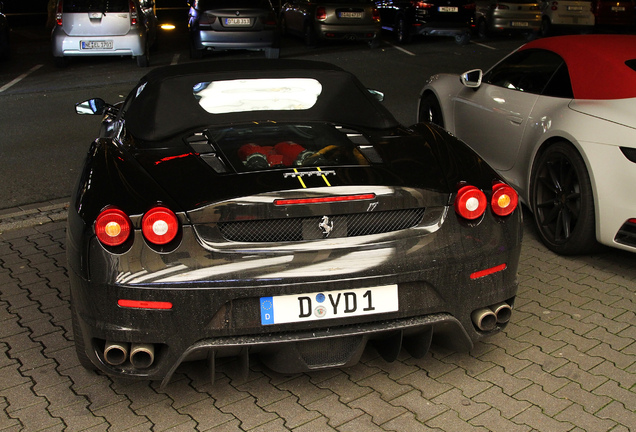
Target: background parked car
<point x="551" y="119"/>
<point x="104" y="28"/>
<point x="4" y="35"/>
<point x="233" y="24"/>
<point x="436" y="17"/>
<point x="332" y="20"/>
<point x="520" y="16"/>
<point x="615" y="14"/>
<point x="568" y="15"/>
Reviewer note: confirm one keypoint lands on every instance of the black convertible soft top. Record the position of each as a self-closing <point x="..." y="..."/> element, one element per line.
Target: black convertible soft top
<point x="163" y="103"/>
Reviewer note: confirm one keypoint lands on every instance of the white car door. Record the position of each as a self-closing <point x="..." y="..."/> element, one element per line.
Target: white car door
<point x="493" y="118"/>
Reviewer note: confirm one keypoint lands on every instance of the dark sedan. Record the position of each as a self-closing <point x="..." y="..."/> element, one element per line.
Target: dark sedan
<point x="337" y="20"/>
<point x="285" y="213"/>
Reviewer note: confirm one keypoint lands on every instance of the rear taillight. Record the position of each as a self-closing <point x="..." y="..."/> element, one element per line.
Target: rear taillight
<point x="470" y="202"/>
<point x="133" y="12"/>
<point x="469" y="6"/>
<point x="555" y="6"/>
<point x="112" y="227"/>
<point x="322" y="200"/>
<point x="504" y="199"/>
<point x="376" y="15"/>
<point x="58" y="14"/>
<point x="160" y="226"/>
<point x="321" y="13"/>
<point x="270" y="19"/>
<point x="423" y="5"/>
<point x="502" y="6"/>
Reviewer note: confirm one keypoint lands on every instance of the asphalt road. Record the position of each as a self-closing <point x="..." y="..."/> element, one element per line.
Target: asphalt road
<point x="43" y="141"/>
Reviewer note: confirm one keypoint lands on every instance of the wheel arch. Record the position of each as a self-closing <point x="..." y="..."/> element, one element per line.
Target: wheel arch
<point x="445" y="108"/>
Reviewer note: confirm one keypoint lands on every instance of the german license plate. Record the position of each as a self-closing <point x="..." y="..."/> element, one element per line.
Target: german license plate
<point x="329" y="305"/>
<point x="575" y="8"/>
<point x="238" y="22"/>
<point x="519" y="24"/>
<point x="618" y="8"/>
<point x="103" y="44"/>
<point x="350" y="14"/>
<point x="448" y="9"/>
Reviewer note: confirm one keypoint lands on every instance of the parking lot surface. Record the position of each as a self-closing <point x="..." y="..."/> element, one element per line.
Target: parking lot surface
<point x="566" y="361"/>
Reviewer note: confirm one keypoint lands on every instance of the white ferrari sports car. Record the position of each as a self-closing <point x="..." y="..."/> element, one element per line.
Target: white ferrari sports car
<point x="556" y="118"/>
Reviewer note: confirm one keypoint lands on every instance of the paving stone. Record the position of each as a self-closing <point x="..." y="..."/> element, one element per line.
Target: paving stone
<point x="291" y="412"/>
<point x="317" y="425"/>
<point x="551" y="405"/>
<point x="335" y="410"/>
<point x="449" y="420"/>
<point x="505" y="405"/>
<point x="493" y="420"/>
<point x="423" y="409"/>
<point x="539" y="421"/>
<point x="588" y="422"/>
<point x="614" y="391"/>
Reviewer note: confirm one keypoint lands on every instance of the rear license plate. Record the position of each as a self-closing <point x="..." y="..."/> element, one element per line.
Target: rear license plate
<point x="575" y="8"/>
<point x="238" y="22"/>
<point x="448" y="9"/>
<point x="350" y="14"/>
<point x="519" y="24"/>
<point x="329" y="305"/>
<point x="105" y="44"/>
<point x="618" y="8"/>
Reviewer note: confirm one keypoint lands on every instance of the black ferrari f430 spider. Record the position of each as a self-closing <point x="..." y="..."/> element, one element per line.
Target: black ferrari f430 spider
<point x="276" y="208"/>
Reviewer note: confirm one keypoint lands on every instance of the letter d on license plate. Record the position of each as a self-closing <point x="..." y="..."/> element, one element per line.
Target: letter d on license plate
<point x="329" y="305"/>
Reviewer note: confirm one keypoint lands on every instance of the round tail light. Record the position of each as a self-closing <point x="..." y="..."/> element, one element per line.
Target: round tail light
<point x="470" y="202"/>
<point x="504" y="199"/>
<point x="321" y="13"/>
<point x="112" y="227"/>
<point x="160" y="226"/>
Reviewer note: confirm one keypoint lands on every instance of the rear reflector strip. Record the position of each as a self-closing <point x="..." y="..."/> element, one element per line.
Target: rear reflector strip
<point x="486" y="272"/>
<point x="330" y="199"/>
<point x="141" y="304"/>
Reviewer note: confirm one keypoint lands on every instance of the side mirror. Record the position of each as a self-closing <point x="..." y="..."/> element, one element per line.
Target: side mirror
<point x="91" y="106"/>
<point x="472" y="78"/>
<point x="378" y="95"/>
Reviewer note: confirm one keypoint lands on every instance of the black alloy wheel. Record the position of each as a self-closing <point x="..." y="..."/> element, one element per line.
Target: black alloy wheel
<point x="430" y="111"/>
<point x="482" y="29"/>
<point x="311" y="40"/>
<point x="562" y="201"/>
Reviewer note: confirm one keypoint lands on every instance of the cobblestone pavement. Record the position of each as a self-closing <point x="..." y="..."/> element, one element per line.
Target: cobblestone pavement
<point x="566" y="362"/>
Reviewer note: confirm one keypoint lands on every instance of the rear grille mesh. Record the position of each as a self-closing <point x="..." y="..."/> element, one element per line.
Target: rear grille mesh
<point x="627" y="234"/>
<point x="297" y="229"/>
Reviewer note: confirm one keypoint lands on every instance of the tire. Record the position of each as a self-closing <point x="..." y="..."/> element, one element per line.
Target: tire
<point x="562" y="202"/>
<point x="402" y="31"/>
<point x="143" y="60"/>
<point x="272" y="53"/>
<point x="430" y="110"/>
<point x="482" y="29"/>
<point x="309" y="36"/>
<point x="546" y="27"/>
<point x="78" y="337"/>
<point x="462" y="39"/>
<point x="60" y="62"/>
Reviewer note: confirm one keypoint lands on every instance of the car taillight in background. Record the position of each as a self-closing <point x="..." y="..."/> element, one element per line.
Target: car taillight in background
<point x="555" y="6"/>
<point x="422" y="5"/>
<point x="133" y="12"/>
<point x="58" y="14"/>
<point x="471" y="203"/>
<point x="321" y="13"/>
<point x="112" y="227"/>
<point x="376" y="15"/>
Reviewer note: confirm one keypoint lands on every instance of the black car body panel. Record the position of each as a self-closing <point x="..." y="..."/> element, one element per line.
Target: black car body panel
<point x="372" y="215"/>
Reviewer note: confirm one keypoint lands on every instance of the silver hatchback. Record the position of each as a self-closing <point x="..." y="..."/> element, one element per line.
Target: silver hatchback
<point x="104" y="28"/>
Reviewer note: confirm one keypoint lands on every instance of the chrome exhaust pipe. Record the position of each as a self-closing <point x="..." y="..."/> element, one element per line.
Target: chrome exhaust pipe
<point x="503" y="311"/>
<point x="484" y="319"/>
<point x="115" y="353"/>
<point x="142" y="355"/>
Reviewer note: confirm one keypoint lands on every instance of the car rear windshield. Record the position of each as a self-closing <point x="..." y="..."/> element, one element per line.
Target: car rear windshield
<point x="79" y="6"/>
<point x="222" y="4"/>
<point x="258" y="147"/>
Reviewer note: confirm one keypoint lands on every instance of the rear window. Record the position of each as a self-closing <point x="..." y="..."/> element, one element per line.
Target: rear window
<point x="79" y="6"/>
<point x="258" y="147"/>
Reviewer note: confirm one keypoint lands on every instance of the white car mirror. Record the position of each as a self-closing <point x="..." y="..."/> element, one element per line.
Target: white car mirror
<point x="472" y="78"/>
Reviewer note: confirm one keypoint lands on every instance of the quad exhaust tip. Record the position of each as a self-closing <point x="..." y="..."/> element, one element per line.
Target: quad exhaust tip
<point x="141" y="355"/>
<point x="486" y="319"/>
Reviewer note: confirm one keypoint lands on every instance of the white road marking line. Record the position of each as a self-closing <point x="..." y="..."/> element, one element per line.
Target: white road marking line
<point x="401" y="49"/>
<point x="20" y="78"/>
<point x="484" y="45"/>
